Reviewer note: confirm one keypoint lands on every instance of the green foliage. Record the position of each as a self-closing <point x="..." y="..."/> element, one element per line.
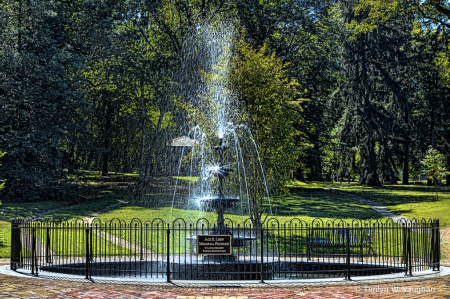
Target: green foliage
<point x="272" y="101"/>
<point x="99" y="85"/>
<point x="39" y="104"/>
<point x="2" y="185"/>
<point x="433" y="165"/>
<point x="415" y="175"/>
<point x="379" y="12"/>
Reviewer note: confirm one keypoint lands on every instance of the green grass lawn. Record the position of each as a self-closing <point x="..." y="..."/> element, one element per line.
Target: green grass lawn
<point x="318" y="184"/>
<point x="305" y="205"/>
<point x="306" y="202"/>
<point x="412" y="201"/>
<point x="26" y="209"/>
<point x="5" y="234"/>
<point x="97" y="193"/>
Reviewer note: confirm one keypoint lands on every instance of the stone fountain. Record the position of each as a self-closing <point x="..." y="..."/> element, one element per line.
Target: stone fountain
<point x="220" y="203"/>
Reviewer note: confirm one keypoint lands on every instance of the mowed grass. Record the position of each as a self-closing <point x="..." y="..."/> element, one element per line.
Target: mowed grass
<point x="5" y="236"/>
<point x="302" y="204"/>
<point x="306" y="202"/>
<point x="11" y="210"/>
<point x="27" y="209"/>
<point x="412" y="201"/>
<point x="108" y="191"/>
<point x="103" y="200"/>
<point x="69" y="240"/>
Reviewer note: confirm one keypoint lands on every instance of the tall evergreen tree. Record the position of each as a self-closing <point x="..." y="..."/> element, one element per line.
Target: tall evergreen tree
<point x="39" y="99"/>
<point x="376" y="94"/>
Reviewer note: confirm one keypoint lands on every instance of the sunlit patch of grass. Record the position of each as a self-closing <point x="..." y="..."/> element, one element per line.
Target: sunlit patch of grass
<point x="5" y="233"/>
<point x="321" y="204"/>
<point x="86" y="208"/>
<point x="27" y="209"/>
<point x="305" y="205"/>
<point x="412" y="201"/>
<point x="187" y="178"/>
<point x="69" y="240"/>
<point x="319" y="184"/>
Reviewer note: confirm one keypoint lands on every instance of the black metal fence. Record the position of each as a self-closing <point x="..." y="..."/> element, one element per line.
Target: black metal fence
<point x="291" y="250"/>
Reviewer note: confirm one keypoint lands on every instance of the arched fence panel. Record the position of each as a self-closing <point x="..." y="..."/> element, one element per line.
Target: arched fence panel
<point x="294" y="249"/>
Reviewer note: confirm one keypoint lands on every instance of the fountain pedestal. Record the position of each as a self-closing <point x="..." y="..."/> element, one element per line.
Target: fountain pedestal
<point x="220" y="204"/>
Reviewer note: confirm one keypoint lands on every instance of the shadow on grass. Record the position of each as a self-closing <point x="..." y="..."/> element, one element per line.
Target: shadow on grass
<point x="316" y="203"/>
<point x="322" y="204"/>
<point x="398" y="194"/>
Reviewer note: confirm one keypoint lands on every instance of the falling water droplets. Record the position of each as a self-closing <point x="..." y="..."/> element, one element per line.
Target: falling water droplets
<point x="204" y="80"/>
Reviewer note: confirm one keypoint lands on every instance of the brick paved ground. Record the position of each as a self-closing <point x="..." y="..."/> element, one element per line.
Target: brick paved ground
<point x="17" y="287"/>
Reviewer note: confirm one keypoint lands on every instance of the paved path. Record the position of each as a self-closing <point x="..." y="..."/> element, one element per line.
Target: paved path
<point x="383" y="210"/>
<point x="113" y="238"/>
<point x="94" y="215"/>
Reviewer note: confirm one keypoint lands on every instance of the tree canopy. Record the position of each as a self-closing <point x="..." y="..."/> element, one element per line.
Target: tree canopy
<point x="328" y="89"/>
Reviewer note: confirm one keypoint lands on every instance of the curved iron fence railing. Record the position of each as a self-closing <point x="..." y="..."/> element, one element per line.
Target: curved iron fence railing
<point x="158" y="250"/>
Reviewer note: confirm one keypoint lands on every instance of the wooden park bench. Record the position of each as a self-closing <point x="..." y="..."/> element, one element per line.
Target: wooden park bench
<point x="335" y="237"/>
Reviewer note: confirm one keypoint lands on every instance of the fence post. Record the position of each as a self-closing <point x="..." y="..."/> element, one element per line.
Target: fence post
<point x="87" y="253"/>
<point x="91" y="251"/>
<point x="34" y="265"/>
<point x="168" y="253"/>
<point x="142" y="245"/>
<point x="409" y="252"/>
<point x="433" y="246"/>
<point x="16" y="245"/>
<point x="308" y="243"/>
<point x="262" y="255"/>
<point x="438" y="247"/>
<point x="47" y="247"/>
<point x="347" y="235"/>
<point x="405" y="248"/>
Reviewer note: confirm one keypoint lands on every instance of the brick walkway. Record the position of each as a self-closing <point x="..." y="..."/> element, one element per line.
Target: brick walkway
<point x="17" y="287"/>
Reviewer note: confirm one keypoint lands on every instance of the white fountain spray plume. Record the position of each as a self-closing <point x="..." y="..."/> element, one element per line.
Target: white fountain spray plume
<point x="212" y="114"/>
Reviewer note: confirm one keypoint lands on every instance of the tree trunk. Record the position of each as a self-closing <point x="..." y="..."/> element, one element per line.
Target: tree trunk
<point x="148" y="169"/>
<point x="105" y="158"/>
<point x="107" y="138"/>
<point x="144" y="133"/>
<point x="372" y="175"/>
<point x="393" y="178"/>
<point x="447" y="178"/>
<point x="406" y="165"/>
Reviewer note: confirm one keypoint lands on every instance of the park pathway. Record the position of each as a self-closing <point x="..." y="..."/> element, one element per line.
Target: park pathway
<point x="113" y="238"/>
<point x="104" y="210"/>
<point x="383" y="210"/>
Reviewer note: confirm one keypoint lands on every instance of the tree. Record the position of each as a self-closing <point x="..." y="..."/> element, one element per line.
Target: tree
<point x="2" y="185"/>
<point x="433" y="167"/>
<point x="431" y="21"/>
<point x="427" y="12"/>
<point x="272" y="102"/>
<point x="39" y="102"/>
<point x="379" y="94"/>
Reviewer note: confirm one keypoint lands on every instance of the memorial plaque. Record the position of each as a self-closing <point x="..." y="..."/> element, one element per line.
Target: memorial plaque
<point x="214" y="244"/>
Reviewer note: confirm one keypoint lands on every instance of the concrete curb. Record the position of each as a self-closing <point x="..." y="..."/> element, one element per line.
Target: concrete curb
<point x="444" y="271"/>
